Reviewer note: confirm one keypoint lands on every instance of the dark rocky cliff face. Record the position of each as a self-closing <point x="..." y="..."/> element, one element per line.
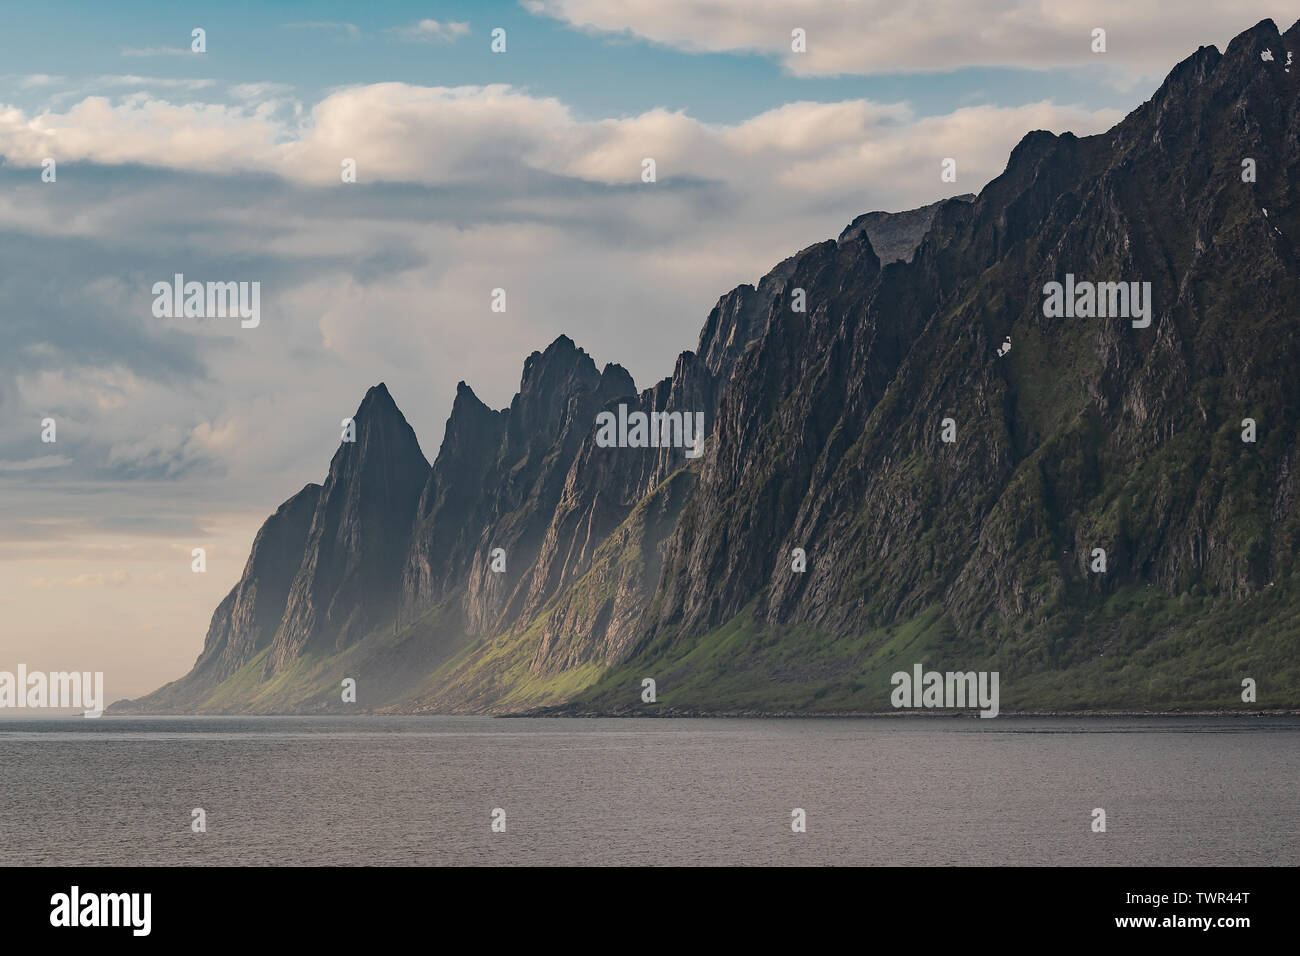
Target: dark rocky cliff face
<point x="1090" y="433"/>
<point x="496" y="484"/>
<point x="246" y="621"/>
<point x="350" y="575"/>
<point x="451" y="512"/>
<point x="825" y="432"/>
<point x="247" y="618"/>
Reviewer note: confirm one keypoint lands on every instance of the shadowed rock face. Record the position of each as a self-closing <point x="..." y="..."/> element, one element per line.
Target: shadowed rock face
<point x="247" y="618"/>
<point x="496" y="483"/>
<point x="823" y="429"/>
<point x="1091" y="433"/>
<point x="451" y="513"/>
<point x="350" y="576"/>
<point x="254" y="608"/>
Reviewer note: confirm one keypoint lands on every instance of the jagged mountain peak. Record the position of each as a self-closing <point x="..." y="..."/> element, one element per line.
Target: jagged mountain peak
<point x="549" y="379"/>
<point x="1245" y="41"/>
<point x="470" y="423"/>
<point x="466" y="400"/>
<point x="381" y="430"/>
<point x="616" y="380"/>
<point x="1239" y="64"/>
<point x="561" y="363"/>
<point x="378" y="403"/>
<point x="350" y="571"/>
<point x="562" y="350"/>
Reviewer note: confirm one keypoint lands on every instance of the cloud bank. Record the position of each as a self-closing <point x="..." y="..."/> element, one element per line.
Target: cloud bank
<point x="882" y="36"/>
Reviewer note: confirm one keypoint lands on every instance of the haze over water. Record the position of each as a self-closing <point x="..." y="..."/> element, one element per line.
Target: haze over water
<point x="877" y="791"/>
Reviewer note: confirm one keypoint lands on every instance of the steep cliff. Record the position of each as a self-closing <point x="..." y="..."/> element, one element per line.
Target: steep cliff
<point x="350" y="575"/>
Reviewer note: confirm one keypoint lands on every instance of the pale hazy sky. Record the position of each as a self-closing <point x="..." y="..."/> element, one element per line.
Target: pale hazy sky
<point x="475" y="171"/>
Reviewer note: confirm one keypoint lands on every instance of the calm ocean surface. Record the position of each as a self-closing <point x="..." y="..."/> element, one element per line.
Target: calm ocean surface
<point x="420" y="790"/>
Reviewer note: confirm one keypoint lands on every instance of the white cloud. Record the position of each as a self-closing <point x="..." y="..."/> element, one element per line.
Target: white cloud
<point x="429" y="31"/>
<point x="142" y="82"/>
<point x="349" y="28"/>
<point x="884" y="36"/>
<point x="145" y="130"/>
<point x="451" y="135"/>
<point x="37" y="80"/>
<point x="158" y="51"/>
<point x="264" y="91"/>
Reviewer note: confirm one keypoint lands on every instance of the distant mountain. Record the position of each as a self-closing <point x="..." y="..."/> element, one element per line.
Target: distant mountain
<point x="894" y="236"/>
<point x="825" y="431"/>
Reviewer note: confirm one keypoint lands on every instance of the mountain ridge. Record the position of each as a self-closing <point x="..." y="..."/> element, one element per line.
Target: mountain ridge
<point x="824" y="435"/>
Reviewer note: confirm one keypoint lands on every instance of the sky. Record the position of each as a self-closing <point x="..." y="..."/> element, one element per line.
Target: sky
<point x="475" y="170"/>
